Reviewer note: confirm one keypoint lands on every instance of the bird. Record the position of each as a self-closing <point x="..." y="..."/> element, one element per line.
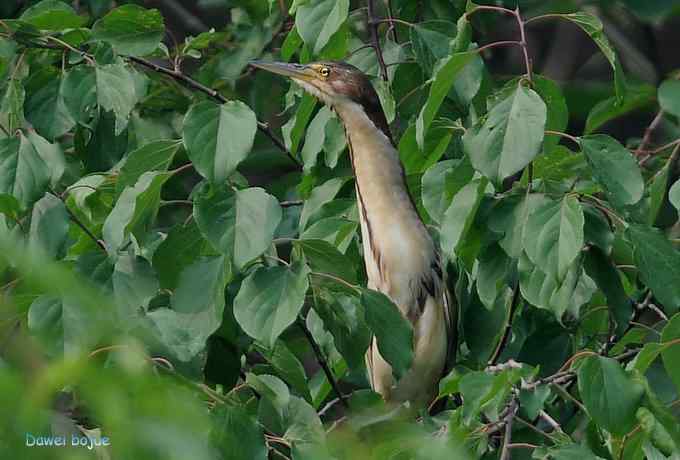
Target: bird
<point x="401" y="258"/>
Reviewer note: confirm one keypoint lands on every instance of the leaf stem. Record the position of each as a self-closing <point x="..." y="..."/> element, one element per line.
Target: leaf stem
<point x="574" y="139"/>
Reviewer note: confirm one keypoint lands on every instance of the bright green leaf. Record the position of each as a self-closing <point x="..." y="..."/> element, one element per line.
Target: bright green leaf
<point x="510" y="137"/>
<point x="218" y="137"/>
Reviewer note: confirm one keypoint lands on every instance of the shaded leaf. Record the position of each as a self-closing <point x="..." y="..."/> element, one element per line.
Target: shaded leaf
<point x="610" y="396"/>
<point x="614" y="167"/>
<point x="659" y="264"/>
<point x="393" y="333"/>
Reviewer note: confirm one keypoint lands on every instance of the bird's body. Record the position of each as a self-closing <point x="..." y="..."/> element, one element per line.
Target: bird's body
<point x="401" y="259"/>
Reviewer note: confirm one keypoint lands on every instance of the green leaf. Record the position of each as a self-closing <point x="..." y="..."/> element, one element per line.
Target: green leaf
<point x="317" y="20"/>
<point x="181" y="247"/>
<point x="294" y="129"/>
<point x="671" y="352"/>
<point x="393" y="332"/>
<point x="49" y="225"/>
<point x="614" y="167"/>
<point x="441" y="182"/>
<point x="116" y="91"/>
<point x="135" y="210"/>
<point x="659" y="264"/>
<point x="23" y="173"/>
<point x="442" y="81"/>
<point x="9" y="206"/>
<point x="510" y="137"/>
<point x="669" y="97"/>
<point x="431" y="41"/>
<point x="609" y="394"/>
<point x="636" y="97"/>
<point x="315" y="138"/>
<point x="52" y="15"/>
<point x="593" y="27"/>
<point x="270" y="387"/>
<point x="493" y="269"/>
<point x="325" y="258"/>
<point x="154" y="156"/>
<point x="197" y="309"/>
<point x="131" y="29"/>
<point x="45" y="320"/>
<point x="509" y="218"/>
<point x="79" y="91"/>
<point x="51" y="154"/>
<point x="554" y="236"/>
<point x="319" y="196"/>
<point x="12" y="105"/>
<point x="237" y="435"/>
<point x="47" y="111"/>
<point x="134" y="285"/>
<point x="546" y="292"/>
<point x="674" y="195"/>
<point x="603" y="271"/>
<point x="270" y="300"/>
<point x="218" y="137"/>
<point x="240" y="223"/>
<point x="460" y="214"/>
<point x="557" y="116"/>
<point x="344" y="317"/>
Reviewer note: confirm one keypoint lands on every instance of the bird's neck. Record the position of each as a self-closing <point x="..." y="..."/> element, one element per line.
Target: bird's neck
<point x="375" y="160"/>
<point x="392" y="230"/>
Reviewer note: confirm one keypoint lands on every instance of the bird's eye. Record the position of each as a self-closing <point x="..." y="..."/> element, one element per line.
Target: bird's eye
<point x="325" y="71"/>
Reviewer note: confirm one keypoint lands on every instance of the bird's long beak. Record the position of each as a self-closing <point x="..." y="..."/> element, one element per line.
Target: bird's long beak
<point x="298" y="71"/>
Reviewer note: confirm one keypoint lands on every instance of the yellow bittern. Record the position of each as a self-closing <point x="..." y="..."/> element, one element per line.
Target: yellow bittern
<point x="401" y="259"/>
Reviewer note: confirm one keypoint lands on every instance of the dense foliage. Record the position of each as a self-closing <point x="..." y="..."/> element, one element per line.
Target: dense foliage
<point x="186" y="279"/>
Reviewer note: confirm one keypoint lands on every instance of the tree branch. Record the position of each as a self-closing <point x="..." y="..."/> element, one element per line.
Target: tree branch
<point x="507" y="437"/>
<point x="322" y="361"/>
<point x="375" y="40"/>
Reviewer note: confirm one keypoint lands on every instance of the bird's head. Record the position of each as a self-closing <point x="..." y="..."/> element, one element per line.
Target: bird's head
<point x="337" y="84"/>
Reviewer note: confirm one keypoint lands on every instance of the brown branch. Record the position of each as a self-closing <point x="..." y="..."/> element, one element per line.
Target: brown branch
<point x="322" y="361"/>
<point x="648" y="132"/>
<point x="375" y="40"/>
<point x="507" y="437"/>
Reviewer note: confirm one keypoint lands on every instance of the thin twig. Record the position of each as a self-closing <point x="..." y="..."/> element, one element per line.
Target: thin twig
<point x="77" y="221"/>
<point x="375" y="39"/>
<point x="507" y="437"/>
<point x="498" y="43"/>
<point x="322" y="361"/>
<point x="508" y="327"/>
<point x="648" y="132"/>
<point x="287" y="204"/>
<point x="522" y="445"/>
